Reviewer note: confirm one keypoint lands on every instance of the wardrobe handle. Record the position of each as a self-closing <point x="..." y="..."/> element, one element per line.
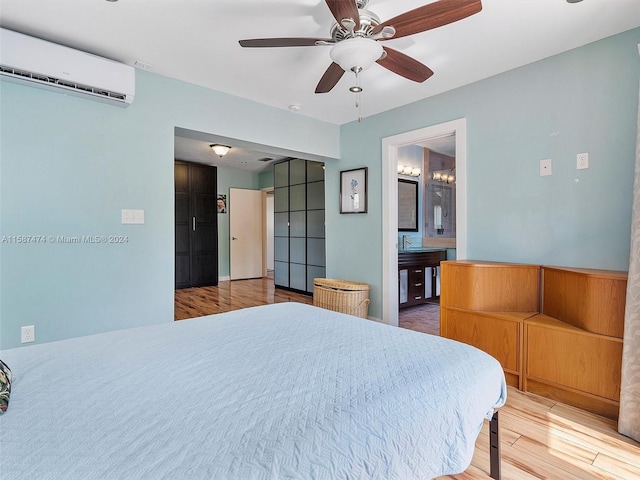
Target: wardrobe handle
<point x="194" y="224"/>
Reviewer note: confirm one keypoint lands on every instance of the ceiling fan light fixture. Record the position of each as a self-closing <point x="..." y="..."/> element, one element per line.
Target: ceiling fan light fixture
<point x="358" y="52"/>
<point x="220" y="150"/>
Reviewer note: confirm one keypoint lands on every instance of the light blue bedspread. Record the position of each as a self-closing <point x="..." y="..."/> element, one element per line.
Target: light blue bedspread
<point x="285" y="391"/>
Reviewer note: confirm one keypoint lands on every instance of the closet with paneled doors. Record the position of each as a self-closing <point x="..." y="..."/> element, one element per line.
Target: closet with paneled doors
<point x="299" y="231"/>
<point x="196" y="225"/>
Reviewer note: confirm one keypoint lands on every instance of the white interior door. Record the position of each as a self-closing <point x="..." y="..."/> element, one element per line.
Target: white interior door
<point x="246" y="227"/>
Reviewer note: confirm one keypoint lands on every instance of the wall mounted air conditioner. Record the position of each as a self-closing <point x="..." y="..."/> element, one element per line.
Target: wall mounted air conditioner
<point x="39" y="63"/>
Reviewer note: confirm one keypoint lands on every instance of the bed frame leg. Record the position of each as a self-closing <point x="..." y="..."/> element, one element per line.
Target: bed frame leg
<point x="494" y="447"/>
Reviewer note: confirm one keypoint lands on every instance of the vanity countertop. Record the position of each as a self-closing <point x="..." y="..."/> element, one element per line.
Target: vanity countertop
<point x="421" y="250"/>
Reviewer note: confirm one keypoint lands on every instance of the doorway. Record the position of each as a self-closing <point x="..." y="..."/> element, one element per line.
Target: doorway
<point x="390" y="147"/>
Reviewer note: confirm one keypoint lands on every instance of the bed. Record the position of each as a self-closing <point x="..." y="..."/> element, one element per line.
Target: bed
<point x="284" y="391"/>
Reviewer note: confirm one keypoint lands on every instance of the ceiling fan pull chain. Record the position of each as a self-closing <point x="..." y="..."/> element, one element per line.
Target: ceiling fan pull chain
<point x="357" y="89"/>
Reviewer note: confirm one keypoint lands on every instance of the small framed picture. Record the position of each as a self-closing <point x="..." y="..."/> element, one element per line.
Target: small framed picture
<point x="222" y="203"/>
<point x="353" y="190"/>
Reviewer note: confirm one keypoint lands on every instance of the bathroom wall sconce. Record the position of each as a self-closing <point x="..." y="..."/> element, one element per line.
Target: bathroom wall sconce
<point x="220" y="150"/>
<point x="444" y="177"/>
<point x="409" y="170"/>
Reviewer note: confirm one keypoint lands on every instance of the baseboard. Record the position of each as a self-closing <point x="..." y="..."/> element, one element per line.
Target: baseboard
<point x="376" y="319"/>
<point x="585" y="401"/>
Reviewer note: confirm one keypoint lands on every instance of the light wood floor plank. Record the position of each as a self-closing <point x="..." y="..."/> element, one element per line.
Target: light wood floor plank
<point x="615" y="465"/>
<point x="539" y="437"/>
<point x="564" y="456"/>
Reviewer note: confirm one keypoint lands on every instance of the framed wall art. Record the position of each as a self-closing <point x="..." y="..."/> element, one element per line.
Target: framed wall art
<point x="353" y="190"/>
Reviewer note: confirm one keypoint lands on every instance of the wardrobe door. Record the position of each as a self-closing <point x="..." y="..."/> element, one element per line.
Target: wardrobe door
<point x="196" y="225"/>
<point x="299" y="250"/>
<point x="182" y="225"/>
<point x="281" y="224"/>
<point x="204" y="231"/>
<point x="297" y="226"/>
<point x="316" y="266"/>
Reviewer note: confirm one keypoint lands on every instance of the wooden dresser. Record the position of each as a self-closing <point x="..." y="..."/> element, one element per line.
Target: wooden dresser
<point x="574" y="347"/>
<point x="484" y="304"/>
<point x="557" y="332"/>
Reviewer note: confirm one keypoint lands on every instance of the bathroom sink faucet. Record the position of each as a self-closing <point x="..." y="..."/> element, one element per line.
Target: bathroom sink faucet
<point x="405" y="242"/>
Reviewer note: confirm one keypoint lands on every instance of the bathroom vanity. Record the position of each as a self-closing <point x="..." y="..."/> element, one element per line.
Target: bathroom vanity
<point x="419" y="275"/>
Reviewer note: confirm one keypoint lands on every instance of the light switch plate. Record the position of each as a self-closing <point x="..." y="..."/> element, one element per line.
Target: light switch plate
<point x="545" y="167"/>
<point x="132" y="217"/>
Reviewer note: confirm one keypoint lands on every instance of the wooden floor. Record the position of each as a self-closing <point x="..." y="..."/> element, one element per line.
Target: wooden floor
<point x="227" y="296"/>
<point x="540" y="438"/>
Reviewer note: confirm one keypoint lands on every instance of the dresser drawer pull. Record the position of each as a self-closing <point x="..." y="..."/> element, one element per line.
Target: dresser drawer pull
<point x="418" y="285"/>
<point x="417" y="298"/>
<point x="417" y="271"/>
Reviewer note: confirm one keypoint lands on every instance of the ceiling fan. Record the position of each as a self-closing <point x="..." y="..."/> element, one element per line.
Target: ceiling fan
<point x="357" y="33"/>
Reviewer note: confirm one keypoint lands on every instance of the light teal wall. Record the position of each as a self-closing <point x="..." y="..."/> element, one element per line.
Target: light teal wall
<point x="69" y="165"/>
<point x="585" y="100"/>
<point x="265" y="179"/>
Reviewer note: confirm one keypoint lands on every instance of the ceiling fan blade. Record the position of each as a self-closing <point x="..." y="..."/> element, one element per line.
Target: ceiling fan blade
<point x="405" y="66"/>
<point x="344" y="9"/>
<point x="283" y="42"/>
<point x="330" y="78"/>
<point x="431" y="16"/>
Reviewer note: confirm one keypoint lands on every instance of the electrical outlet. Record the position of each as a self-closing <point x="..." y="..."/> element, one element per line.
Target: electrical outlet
<point x="28" y="334"/>
<point x="582" y="161"/>
<point x="545" y="167"/>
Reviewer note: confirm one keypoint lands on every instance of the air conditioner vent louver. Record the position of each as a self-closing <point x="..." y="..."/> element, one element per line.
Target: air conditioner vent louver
<point x="61" y="83"/>
<point x="264" y="159"/>
<point x="38" y="63"/>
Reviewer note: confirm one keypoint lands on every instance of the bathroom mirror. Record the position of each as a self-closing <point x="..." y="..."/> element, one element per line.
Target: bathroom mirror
<point x="407" y="205"/>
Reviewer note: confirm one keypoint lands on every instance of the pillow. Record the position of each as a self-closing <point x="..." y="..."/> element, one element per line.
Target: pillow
<point x="5" y="386"/>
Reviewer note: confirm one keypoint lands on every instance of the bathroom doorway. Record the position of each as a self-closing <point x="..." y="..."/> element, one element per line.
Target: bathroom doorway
<point x="390" y="146"/>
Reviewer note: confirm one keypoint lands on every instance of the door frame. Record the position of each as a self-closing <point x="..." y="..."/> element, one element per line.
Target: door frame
<point x="269" y="192"/>
<point x="390" y="146"/>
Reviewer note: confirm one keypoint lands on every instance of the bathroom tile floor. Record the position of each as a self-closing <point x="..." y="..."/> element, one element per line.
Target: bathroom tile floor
<point x="423" y="318"/>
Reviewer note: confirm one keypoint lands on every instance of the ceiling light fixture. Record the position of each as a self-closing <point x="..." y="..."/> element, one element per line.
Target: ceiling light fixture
<point x="220" y="150"/>
<point x="409" y="170"/>
<point x="444" y="176"/>
<point x="356" y="55"/>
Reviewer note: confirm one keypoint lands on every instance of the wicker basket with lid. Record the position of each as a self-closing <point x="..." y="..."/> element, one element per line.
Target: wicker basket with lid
<point x="341" y="296"/>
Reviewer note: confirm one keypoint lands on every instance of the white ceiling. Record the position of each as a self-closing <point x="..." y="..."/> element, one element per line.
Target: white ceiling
<point x="197" y="41"/>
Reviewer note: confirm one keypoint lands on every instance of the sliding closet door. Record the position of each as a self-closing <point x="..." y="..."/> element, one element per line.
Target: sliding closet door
<point x="281" y="224"/>
<point x="196" y="225"/>
<point x="316" y="266"/>
<point x="298" y="224"/>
